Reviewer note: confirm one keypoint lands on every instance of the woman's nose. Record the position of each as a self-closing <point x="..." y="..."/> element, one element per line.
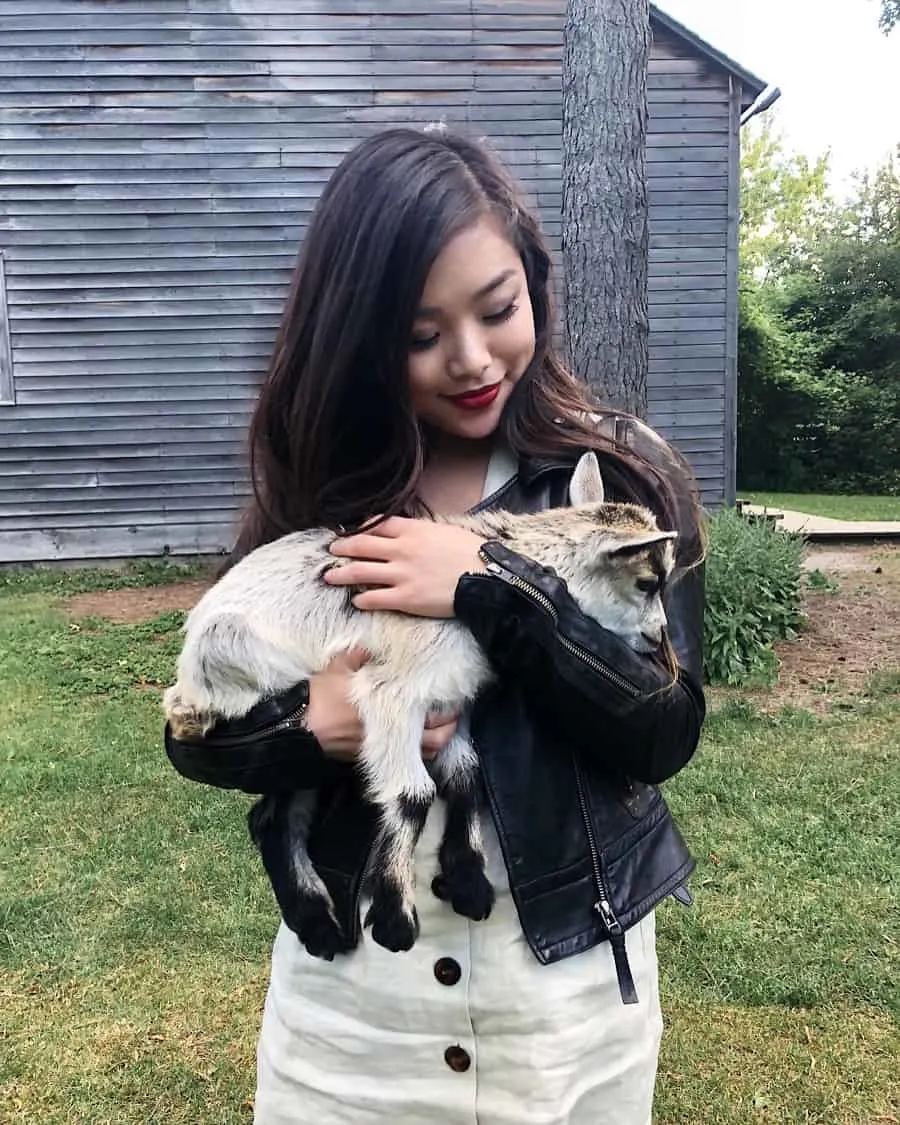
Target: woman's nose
<point x="470" y="357"/>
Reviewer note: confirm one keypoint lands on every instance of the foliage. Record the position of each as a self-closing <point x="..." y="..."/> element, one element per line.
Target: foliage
<point x="890" y="15"/>
<point x="785" y="205"/>
<point x="752" y="598"/>
<point x="819" y="346"/>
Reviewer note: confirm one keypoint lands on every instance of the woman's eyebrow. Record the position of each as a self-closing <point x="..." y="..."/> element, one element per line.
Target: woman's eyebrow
<point x="430" y="310"/>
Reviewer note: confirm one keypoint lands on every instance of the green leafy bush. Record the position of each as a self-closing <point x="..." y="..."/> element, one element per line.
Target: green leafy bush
<point x="753" y="587"/>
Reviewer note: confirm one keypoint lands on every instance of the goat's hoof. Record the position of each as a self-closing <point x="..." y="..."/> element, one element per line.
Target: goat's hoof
<point x="314" y="924"/>
<point x="392" y="926"/>
<point x="470" y="893"/>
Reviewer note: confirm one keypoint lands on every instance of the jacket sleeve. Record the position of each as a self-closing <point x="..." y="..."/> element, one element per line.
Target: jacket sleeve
<point x="266" y="751"/>
<point x="619" y="708"/>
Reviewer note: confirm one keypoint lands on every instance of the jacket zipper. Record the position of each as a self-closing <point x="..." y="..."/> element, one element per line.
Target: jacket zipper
<point x="542" y="600"/>
<point x="289" y="722"/>
<point x="602" y="906"/>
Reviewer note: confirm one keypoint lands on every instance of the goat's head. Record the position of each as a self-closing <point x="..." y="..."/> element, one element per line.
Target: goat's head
<point x="620" y="560"/>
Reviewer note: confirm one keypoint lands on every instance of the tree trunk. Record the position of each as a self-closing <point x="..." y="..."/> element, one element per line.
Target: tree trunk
<point x="605" y="228"/>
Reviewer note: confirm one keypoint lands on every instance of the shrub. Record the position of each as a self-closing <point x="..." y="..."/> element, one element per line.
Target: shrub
<point x="752" y="598"/>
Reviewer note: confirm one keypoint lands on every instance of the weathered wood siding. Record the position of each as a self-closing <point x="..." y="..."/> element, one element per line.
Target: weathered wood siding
<point x="160" y="161"/>
<point x="689" y="147"/>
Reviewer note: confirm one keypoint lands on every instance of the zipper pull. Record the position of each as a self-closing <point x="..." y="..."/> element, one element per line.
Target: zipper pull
<point x="627" y="989"/>
<point x="610" y="921"/>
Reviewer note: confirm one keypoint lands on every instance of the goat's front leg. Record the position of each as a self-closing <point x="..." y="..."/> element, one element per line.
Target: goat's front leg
<point x="397" y="780"/>
<point x="462" y="881"/>
<point x="279" y="825"/>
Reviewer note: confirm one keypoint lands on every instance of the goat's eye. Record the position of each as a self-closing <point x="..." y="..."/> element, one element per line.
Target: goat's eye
<point x="648" y="586"/>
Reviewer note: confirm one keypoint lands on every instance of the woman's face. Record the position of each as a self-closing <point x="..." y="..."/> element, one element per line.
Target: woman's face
<point x="473" y="335"/>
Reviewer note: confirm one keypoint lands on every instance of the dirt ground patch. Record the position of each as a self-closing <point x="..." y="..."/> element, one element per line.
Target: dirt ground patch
<point x="130" y="606"/>
<point x="851" y="632"/>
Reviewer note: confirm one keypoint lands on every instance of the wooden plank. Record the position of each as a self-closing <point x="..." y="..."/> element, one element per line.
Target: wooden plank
<point x="136" y="402"/>
<point x="157" y="514"/>
<point x="155" y="440"/>
<point x="88" y="475"/>
<point x="219" y="267"/>
<point x="92" y="543"/>
<point x="714" y="336"/>
<point x="685" y="184"/>
<point x="673" y="315"/>
<point x="666" y="199"/>
<point x="681" y="366"/>
<point x="674" y="125"/>
<point x="210" y="346"/>
<point x="33" y="295"/>
<point x="709" y="254"/>
<point x="7" y="383"/>
<point x="730" y="374"/>
<point x="661" y="366"/>
<point x="710" y="272"/>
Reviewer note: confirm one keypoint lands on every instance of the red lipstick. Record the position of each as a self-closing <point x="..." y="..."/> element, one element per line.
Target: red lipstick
<point x="477" y="399"/>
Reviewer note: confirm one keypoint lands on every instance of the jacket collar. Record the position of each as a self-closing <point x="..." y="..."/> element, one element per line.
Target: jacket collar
<point x="531" y="468"/>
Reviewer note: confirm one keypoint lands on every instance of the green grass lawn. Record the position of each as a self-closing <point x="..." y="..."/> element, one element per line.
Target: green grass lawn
<point x="136" y="922"/>
<point x="834" y="507"/>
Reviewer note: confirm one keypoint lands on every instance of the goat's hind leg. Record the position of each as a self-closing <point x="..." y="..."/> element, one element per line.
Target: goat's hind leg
<point x="398" y="782"/>
<point x="279" y="825"/>
<point x="463" y="882"/>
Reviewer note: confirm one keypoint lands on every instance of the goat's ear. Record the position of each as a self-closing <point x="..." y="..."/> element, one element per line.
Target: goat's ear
<point x="586" y="485"/>
<point x="633" y="544"/>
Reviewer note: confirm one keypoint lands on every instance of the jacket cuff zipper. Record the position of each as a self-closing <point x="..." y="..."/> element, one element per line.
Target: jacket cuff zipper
<point x="497" y="570"/>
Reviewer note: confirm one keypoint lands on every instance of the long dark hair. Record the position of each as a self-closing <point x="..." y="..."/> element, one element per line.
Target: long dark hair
<point x="334" y="439"/>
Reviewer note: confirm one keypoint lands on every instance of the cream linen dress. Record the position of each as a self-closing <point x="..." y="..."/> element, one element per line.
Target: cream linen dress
<point x="467" y="1028"/>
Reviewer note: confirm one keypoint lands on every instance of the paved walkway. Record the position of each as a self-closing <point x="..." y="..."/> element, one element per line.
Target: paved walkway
<point x="820" y="529"/>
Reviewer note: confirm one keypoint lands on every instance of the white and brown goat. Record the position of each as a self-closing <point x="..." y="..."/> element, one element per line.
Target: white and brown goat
<point x="271" y="622"/>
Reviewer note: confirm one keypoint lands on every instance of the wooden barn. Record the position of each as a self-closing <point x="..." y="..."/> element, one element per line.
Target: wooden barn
<point x="159" y="161"/>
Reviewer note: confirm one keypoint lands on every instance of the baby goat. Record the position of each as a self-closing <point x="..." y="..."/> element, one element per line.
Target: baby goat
<point x="271" y="621"/>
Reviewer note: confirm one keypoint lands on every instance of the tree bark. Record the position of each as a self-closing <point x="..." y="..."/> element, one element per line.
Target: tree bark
<point x="605" y="224"/>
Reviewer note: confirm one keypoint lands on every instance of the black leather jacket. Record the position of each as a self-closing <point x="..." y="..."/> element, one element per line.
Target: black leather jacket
<point x="573" y="738"/>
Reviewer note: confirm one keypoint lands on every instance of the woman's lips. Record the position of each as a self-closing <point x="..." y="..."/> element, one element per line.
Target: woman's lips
<point x="477" y="399"/>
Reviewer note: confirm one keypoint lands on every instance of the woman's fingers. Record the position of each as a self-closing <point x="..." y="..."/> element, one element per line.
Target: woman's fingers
<point x="434" y="739"/>
<point x="350" y="661"/>
<point x="364" y="546"/>
<point x="361" y="574"/>
<point x="436" y="719"/>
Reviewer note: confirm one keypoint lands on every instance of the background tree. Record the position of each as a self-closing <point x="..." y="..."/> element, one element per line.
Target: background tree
<point x="605" y="221"/>
<point x="890" y="15"/>
<point x="785" y="205"/>
<point x="819" y="339"/>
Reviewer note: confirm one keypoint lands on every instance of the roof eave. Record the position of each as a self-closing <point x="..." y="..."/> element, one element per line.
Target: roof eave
<point x="753" y="85"/>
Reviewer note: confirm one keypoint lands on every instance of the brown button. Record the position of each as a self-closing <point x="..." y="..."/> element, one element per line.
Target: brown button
<point x="457" y="1058"/>
<point x="447" y="970"/>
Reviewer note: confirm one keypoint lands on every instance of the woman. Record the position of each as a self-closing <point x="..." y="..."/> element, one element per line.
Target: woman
<point x="414" y="374"/>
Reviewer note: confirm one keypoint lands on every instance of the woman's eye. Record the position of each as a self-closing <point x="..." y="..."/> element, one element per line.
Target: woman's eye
<point x="422" y="344"/>
<point x="504" y="314"/>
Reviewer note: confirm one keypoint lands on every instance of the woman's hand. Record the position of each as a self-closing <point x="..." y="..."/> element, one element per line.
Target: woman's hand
<point x="413" y="566"/>
<point x="334" y="720"/>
